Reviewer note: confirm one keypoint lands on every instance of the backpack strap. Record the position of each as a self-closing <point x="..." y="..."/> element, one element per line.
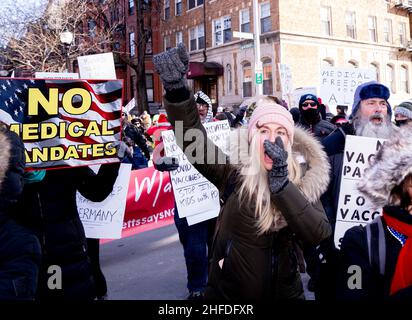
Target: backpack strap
<point x="375" y="237"/>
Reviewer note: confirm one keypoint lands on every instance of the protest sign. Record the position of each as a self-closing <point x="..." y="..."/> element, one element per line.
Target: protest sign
<point x="56" y="75"/>
<point x="194" y="194"/>
<point x="338" y="85"/>
<point x="97" y="66"/>
<point x="353" y="208"/>
<point x="104" y="220"/>
<point x="129" y="106"/>
<point x="63" y="122"/>
<point x="298" y="92"/>
<point x="286" y="82"/>
<point x="150" y="201"/>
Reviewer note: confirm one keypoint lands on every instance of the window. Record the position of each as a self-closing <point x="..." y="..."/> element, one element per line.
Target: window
<point x="244" y="21"/>
<point x="167" y="9"/>
<point x="387" y="30"/>
<point x="166" y="42"/>
<point x="390" y="77"/>
<point x="91" y="24"/>
<point x="131" y="7"/>
<point x="375" y="67"/>
<point x="327" y="63"/>
<point x="326" y="21"/>
<point x="178" y="11"/>
<point x="247" y="79"/>
<point x="149" y="87"/>
<point x="353" y="64"/>
<point x="372" y="29"/>
<point x="265" y="22"/>
<point x="228" y="78"/>
<point x="179" y="37"/>
<point x="222" y="30"/>
<point x="402" y="33"/>
<point x="149" y="46"/>
<point x="132" y="45"/>
<point x="194" y="3"/>
<point x="267" y="77"/>
<point x="404" y="79"/>
<point x="351" y="24"/>
<point x="197" y="38"/>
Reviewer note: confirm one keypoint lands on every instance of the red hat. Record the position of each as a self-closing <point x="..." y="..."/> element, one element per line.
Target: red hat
<point x="320" y="100"/>
<point x="162" y="121"/>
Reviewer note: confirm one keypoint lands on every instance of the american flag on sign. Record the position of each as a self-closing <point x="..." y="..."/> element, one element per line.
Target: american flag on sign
<point x="106" y="106"/>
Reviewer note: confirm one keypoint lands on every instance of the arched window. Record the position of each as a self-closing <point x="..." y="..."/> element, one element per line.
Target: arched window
<point x="247" y="79"/>
<point x="353" y="63"/>
<point x="267" y="76"/>
<point x="327" y="62"/>
<point x="375" y="67"/>
<point x="390" y="77"/>
<point x="404" y="79"/>
<point x="228" y="78"/>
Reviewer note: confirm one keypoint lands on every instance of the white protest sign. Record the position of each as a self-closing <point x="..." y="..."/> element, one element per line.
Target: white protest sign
<point x="196" y="198"/>
<point x="353" y="208"/>
<point x="56" y="75"/>
<point x="129" y="106"/>
<point x="298" y="92"/>
<point x="97" y="66"/>
<point x="338" y="85"/>
<point x="104" y="220"/>
<point x="285" y="81"/>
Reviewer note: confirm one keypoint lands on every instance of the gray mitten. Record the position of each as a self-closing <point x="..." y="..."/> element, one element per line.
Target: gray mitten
<point x="172" y="66"/>
<point x="278" y="175"/>
<point x="122" y="149"/>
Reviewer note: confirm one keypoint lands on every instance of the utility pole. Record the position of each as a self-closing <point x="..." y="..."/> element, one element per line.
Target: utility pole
<point x="258" y="62"/>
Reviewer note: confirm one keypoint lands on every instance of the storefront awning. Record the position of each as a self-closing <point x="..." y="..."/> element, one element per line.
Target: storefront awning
<point x="204" y="69"/>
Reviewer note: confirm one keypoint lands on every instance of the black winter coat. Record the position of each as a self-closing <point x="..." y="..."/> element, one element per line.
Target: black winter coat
<point x="354" y="251"/>
<point x="49" y="209"/>
<point x="19" y="248"/>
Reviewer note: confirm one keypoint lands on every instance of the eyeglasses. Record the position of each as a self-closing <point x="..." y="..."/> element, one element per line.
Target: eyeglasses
<point x="306" y="104"/>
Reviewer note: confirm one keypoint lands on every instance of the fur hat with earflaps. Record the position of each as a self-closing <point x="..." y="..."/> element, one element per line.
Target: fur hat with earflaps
<point x="391" y="165"/>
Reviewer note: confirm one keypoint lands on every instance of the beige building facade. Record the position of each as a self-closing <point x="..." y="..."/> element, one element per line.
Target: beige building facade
<point x="306" y="35"/>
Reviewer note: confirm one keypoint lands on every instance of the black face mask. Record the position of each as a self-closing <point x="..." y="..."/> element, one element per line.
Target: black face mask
<point x="401" y="122"/>
<point x="311" y="116"/>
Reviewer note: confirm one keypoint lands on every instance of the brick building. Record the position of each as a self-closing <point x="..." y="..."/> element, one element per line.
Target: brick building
<point x="305" y="35"/>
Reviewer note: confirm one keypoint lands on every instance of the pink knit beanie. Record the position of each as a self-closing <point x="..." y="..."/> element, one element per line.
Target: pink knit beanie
<point x="271" y="112"/>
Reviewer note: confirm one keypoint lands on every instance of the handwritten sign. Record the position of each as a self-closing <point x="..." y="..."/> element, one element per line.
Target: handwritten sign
<point x="104" y="220"/>
<point x="97" y="66"/>
<point x="194" y="194"/>
<point x="285" y="81"/>
<point x="338" y="85"/>
<point x="353" y="208"/>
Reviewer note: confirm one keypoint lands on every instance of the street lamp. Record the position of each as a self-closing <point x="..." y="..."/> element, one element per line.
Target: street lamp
<point x="66" y="38"/>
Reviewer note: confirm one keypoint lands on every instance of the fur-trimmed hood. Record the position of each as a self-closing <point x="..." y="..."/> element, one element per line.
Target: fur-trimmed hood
<point x="4" y="157"/>
<point x="391" y="165"/>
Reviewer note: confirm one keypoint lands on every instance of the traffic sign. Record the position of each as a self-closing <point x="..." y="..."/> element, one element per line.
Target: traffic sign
<point x="259" y="78"/>
<point x="242" y="35"/>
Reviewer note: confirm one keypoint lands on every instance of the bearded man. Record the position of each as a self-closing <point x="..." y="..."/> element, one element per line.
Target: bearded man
<point x="370" y="117"/>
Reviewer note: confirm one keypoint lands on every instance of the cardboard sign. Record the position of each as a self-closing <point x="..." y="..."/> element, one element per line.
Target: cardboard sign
<point x="97" y="66"/>
<point x="196" y="198"/>
<point x="63" y="122"/>
<point x="104" y="220"/>
<point x="353" y="208"/>
<point x="338" y="85"/>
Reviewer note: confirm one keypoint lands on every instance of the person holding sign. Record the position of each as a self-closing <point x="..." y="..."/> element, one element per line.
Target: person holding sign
<point x="376" y="259"/>
<point x="370" y="117"/>
<point x="270" y="197"/>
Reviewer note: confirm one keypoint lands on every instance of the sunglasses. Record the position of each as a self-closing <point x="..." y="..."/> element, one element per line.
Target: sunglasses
<point x="312" y="104"/>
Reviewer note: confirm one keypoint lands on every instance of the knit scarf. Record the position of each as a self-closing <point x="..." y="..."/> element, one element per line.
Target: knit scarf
<point x="402" y="277"/>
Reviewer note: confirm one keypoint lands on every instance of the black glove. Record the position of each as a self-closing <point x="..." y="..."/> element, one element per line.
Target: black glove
<point x="166" y="164"/>
<point x="348" y="128"/>
<point x="278" y="175"/>
<point x="172" y="66"/>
